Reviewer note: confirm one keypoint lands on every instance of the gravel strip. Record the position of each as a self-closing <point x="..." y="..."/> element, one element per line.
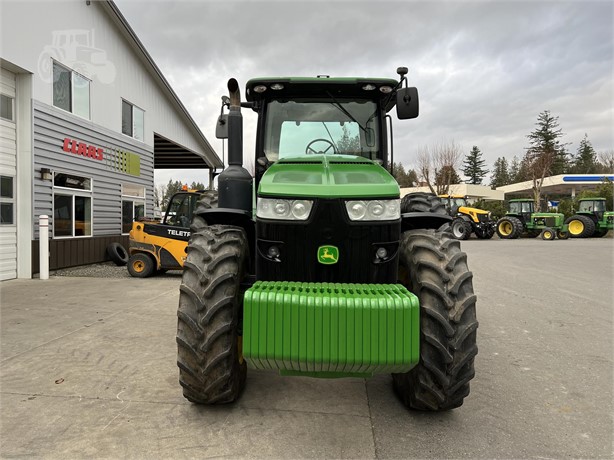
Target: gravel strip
<point x="103" y="270"/>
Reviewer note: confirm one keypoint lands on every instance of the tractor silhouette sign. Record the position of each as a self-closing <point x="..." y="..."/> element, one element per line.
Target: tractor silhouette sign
<point x="75" y="49"/>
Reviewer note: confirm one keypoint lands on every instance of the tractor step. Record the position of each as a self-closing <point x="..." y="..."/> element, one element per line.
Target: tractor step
<point x="329" y="329"/>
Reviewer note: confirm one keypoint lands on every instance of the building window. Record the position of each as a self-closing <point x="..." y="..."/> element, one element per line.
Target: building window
<point x="7" y="107"/>
<point x="7" y="200"/>
<point x="72" y="205"/>
<point x="133" y="121"/>
<point x="71" y="91"/>
<point x="133" y="205"/>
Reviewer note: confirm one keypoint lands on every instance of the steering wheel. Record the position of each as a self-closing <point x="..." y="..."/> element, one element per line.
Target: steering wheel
<point x="309" y="150"/>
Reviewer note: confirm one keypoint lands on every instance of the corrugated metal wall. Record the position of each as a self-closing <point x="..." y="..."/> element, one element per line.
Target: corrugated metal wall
<point x="51" y="127"/>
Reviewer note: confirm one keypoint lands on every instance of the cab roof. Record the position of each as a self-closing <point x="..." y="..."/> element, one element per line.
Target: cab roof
<point x="322" y="86"/>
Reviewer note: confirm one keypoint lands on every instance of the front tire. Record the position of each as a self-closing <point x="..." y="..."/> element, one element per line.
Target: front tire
<point x="208" y="200"/>
<point x="460" y="229"/>
<point x="548" y="234"/>
<point x="433" y="267"/>
<point x="211" y="366"/>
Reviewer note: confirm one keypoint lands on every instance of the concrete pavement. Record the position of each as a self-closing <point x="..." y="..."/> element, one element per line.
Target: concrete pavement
<point x="87" y="370"/>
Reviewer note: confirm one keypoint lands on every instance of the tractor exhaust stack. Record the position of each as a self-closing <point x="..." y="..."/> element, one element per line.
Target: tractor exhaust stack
<point x="235" y="183"/>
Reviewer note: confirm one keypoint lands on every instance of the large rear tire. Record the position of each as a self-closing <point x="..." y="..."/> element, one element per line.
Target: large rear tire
<point x="423" y="202"/>
<point x="509" y="228"/>
<point x="211" y="366"/>
<point x="208" y="200"/>
<point x="433" y="267"/>
<point x="580" y="226"/>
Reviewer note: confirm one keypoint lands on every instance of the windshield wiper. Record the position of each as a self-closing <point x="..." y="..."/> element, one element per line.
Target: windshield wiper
<point x="338" y="105"/>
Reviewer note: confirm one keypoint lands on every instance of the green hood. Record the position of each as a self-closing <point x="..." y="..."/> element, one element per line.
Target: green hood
<point x="328" y="176"/>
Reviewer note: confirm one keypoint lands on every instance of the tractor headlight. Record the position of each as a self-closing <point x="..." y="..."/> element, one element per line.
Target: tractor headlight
<point x="275" y="208"/>
<point x="373" y="209"/>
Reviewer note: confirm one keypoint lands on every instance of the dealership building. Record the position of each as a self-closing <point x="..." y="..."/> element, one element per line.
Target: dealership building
<point x="86" y="117"/>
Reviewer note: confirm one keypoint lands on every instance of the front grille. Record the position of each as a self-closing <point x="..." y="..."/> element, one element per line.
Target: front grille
<point x="298" y="243"/>
<point x="545" y="221"/>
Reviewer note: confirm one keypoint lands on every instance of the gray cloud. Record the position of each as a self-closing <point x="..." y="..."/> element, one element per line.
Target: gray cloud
<point x="484" y="70"/>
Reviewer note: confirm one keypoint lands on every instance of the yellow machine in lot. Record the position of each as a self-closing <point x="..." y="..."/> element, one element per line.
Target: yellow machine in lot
<point x="468" y="220"/>
<point x="159" y="246"/>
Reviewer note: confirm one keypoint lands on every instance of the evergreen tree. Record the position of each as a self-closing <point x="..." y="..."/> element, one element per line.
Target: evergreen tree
<point x="500" y="175"/>
<point x="585" y="160"/>
<point x="546" y="155"/>
<point x="447" y="175"/>
<point x="473" y="166"/>
<point x="514" y="171"/>
<point x="405" y="178"/>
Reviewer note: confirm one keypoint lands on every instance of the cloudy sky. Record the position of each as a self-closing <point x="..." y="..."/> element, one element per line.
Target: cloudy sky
<point x="484" y="69"/>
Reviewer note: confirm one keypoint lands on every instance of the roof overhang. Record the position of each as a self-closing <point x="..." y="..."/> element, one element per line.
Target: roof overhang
<point x="563" y="184"/>
<point x="171" y="155"/>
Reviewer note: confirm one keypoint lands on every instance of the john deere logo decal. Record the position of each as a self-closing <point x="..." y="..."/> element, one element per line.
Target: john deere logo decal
<point x="328" y="255"/>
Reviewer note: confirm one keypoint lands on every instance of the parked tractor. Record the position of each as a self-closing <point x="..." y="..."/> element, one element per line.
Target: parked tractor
<point x="331" y="275"/>
<point x="521" y="219"/>
<point x="156" y="247"/>
<point x="591" y="219"/>
<point x="468" y="220"/>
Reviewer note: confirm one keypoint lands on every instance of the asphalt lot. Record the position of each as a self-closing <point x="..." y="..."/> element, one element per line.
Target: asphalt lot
<point x="87" y="370"/>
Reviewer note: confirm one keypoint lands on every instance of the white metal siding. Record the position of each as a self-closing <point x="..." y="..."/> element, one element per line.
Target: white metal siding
<point x="8" y="167"/>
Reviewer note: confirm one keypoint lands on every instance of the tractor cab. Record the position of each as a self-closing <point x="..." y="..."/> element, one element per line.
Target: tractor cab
<point x="521" y="208"/>
<point x="594" y="207"/>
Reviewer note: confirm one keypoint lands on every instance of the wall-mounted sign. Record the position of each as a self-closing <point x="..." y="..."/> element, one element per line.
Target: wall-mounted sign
<point x="116" y="159"/>
<point x="81" y="148"/>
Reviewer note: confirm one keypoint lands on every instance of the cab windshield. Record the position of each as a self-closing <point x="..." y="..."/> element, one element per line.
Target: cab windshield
<point x="592" y="206"/>
<point x="329" y="127"/>
<point x="521" y="207"/>
<point x="459" y="202"/>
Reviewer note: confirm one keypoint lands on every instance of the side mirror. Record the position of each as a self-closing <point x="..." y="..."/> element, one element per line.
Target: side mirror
<point x="221" y="127"/>
<point x="407" y="103"/>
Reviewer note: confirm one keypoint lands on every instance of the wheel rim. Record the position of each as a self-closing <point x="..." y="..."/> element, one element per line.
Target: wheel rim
<point x="458" y="230"/>
<point x="138" y="266"/>
<point x="576" y="227"/>
<point x="505" y="228"/>
<point x="547" y="235"/>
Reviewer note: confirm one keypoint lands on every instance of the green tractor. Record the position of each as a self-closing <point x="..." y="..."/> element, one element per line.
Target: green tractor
<point x="591" y="219"/>
<point x="521" y="219"/>
<point x="315" y="267"/>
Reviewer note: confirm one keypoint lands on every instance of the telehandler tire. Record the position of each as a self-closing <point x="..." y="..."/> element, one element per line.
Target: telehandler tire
<point x="485" y="234"/>
<point x="432" y="266"/>
<point x="208" y="200"/>
<point x="580" y="226"/>
<point x="141" y="265"/>
<point x="209" y="356"/>
<point x="509" y="228"/>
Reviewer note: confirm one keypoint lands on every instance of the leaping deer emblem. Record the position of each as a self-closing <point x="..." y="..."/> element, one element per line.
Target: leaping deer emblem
<point x="325" y="255"/>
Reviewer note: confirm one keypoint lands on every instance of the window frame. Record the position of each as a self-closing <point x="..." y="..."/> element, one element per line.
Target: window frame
<point x="73" y="193"/>
<point x="9" y="200"/>
<point x="12" y="99"/>
<point x="132" y="121"/>
<point x="135" y="199"/>
<point x="72" y="91"/>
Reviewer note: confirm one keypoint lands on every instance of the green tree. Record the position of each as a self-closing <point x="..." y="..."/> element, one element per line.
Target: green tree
<point x="405" y="178"/>
<point x="546" y="154"/>
<point x="585" y="160"/>
<point x="447" y="175"/>
<point x="349" y="145"/>
<point x="171" y="188"/>
<point x="197" y="186"/>
<point x="474" y="166"/>
<point x="500" y="175"/>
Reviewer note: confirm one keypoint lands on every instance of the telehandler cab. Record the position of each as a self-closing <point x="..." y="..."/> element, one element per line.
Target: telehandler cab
<point x="159" y="246"/>
<point x="315" y="267"/>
